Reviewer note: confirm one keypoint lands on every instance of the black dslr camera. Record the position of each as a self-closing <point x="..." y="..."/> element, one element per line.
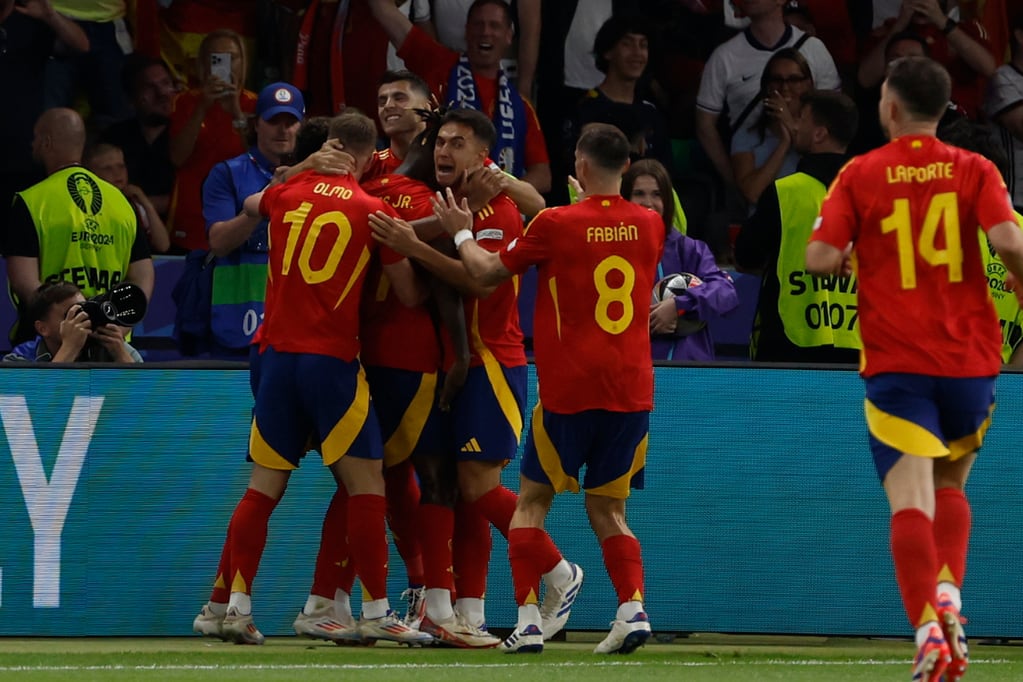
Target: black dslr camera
<point x="124" y="305"/>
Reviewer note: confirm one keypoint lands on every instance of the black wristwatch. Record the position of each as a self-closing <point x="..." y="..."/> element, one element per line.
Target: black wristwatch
<point x="950" y="25"/>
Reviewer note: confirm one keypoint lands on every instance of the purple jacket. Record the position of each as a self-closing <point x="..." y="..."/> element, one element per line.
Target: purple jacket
<point x="714" y="298"/>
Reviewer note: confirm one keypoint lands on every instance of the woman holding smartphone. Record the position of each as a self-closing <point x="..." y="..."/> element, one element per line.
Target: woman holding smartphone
<point x="210" y="123"/>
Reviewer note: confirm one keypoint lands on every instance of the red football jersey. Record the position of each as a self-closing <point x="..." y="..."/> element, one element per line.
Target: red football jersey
<point x="493" y="322"/>
<point x="393" y="334"/>
<point x="383" y="162"/>
<point x="320" y="247"/>
<point x="597" y="264"/>
<point x="912" y="208"/>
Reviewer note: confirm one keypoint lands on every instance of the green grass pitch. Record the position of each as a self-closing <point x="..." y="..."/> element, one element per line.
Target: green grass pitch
<point x="698" y="658"/>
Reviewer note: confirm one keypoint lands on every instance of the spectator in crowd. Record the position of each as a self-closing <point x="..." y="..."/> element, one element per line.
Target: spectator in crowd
<point x="730" y="82"/>
<point x="98" y="69"/>
<point x="64" y="331"/>
<point x="678" y="324"/>
<point x="960" y="46"/>
<point x="1004" y="107"/>
<point x="520" y="148"/>
<point x="239" y="240"/>
<point x="906" y="43"/>
<point x="73" y="225"/>
<point x="145" y="138"/>
<point x="793" y="306"/>
<point x="450" y="16"/>
<point x="107" y="162"/>
<point x="762" y="152"/>
<point x="367" y="53"/>
<point x="622" y="53"/>
<point x="568" y="30"/>
<point x="209" y="124"/>
<point x="30" y="33"/>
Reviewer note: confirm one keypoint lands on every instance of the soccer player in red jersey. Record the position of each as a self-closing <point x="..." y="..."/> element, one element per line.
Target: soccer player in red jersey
<point x="313" y="382"/>
<point x="596" y="263"/>
<point x="486" y="418"/>
<point x="402" y="355"/>
<point x="399" y="94"/>
<point x="931" y="339"/>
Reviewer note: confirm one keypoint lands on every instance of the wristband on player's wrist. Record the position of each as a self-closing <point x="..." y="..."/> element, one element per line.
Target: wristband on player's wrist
<point x="462" y="236"/>
<point x="950" y="25"/>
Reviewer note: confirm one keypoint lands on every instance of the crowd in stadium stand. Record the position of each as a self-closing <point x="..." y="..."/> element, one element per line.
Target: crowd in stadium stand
<point x="711" y="89"/>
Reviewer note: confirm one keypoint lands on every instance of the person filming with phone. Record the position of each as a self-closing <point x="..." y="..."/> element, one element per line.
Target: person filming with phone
<point x="209" y="124"/>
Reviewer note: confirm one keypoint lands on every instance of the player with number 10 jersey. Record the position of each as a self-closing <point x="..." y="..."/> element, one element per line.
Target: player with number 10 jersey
<point x="319" y="228"/>
<point x="923" y="200"/>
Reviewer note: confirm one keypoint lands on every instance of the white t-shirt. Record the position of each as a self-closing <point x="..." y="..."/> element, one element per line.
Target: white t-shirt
<point x="580" y="70"/>
<point x="732" y="74"/>
<point x="1004" y="92"/>
<point x="420" y="11"/>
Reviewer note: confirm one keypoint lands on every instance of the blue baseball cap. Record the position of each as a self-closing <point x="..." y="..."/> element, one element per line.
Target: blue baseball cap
<point x="280" y="98"/>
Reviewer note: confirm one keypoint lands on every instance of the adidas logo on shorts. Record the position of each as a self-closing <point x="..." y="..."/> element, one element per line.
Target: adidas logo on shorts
<point x="472" y="445"/>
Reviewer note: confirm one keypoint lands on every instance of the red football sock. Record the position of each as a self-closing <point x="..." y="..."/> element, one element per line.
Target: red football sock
<point x="624" y="563"/>
<point x="437" y="524"/>
<point x="531" y="553"/>
<point x="367" y="542"/>
<point x="402" y="492"/>
<point x="221" y="594"/>
<point x="916" y="563"/>
<point x="471" y="551"/>
<point x="497" y="507"/>
<point x="333" y="546"/>
<point x="952" y="531"/>
<point x="247" y="538"/>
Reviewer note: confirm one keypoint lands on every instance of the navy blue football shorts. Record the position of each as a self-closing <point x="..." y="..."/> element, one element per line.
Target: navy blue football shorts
<point x="611" y="445"/>
<point x="405" y="403"/>
<point x="301" y="394"/>
<point x="486" y="417"/>
<point x="926" y="416"/>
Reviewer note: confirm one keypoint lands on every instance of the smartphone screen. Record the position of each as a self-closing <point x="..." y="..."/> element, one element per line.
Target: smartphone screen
<point x="220" y="66"/>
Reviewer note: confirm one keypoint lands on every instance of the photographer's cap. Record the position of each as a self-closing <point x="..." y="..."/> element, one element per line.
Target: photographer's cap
<point x="280" y="98"/>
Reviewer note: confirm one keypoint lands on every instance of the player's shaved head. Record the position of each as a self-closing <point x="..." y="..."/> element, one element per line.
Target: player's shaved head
<point x="355" y="131"/>
<point x="922" y="85"/>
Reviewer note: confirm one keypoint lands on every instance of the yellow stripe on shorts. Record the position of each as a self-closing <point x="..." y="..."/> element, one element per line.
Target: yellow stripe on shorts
<point x="620" y="488"/>
<point x="971" y="443"/>
<point x="263" y="454"/>
<point x="505" y="397"/>
<point x="344" y="433"/>
<point x="902" y="434"/>
<point x="548" y="455"/>
<point x="399" y="446"/>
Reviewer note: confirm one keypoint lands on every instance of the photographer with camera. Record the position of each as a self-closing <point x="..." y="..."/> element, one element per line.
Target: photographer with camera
<point x="65" y="330"/>
<point x="71" y="226"/>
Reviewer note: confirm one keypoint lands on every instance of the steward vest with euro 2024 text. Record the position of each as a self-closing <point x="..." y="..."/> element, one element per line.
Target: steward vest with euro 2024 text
<point x="815" y="311"/>
<point x="86" y="229"/>
<point x="1009" y="316"/>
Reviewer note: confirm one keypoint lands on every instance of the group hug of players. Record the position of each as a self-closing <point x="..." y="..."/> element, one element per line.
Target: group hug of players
<point x="411" y="381"/>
